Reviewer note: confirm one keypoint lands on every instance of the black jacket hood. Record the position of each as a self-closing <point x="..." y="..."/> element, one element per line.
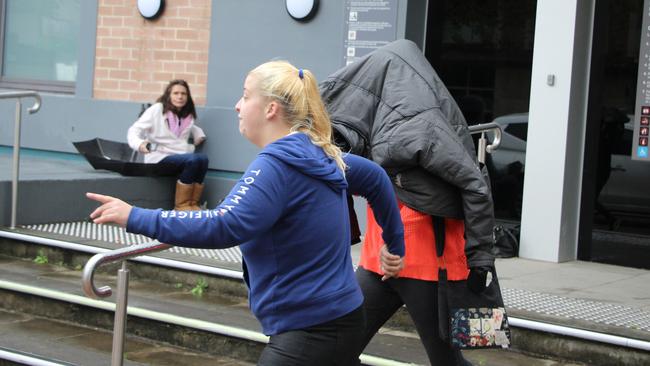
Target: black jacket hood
<point x="391" y="107"/>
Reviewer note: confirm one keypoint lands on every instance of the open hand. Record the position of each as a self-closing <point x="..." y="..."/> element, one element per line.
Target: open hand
<point x="391" y="264"/>
<point x="112" y="210"/>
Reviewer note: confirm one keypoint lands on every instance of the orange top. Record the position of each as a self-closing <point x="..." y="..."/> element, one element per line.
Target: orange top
<point x="420" y="260"/>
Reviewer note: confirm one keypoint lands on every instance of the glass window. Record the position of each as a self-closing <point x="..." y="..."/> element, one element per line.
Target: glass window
<point x="40" y="44"/>
<point x="483" y="52"/>
<point x="519" y="130"/>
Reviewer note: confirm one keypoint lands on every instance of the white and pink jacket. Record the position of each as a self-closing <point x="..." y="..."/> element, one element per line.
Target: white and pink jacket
<point x="153" y="127"/>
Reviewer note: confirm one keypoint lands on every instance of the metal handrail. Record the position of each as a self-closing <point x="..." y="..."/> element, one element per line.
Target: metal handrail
<point x="25" y="94"/>
<point x="16" y="157"/>
<point x="484" y="127"/>
<point x="483" y="147"/>
<point x="117" y="255"/>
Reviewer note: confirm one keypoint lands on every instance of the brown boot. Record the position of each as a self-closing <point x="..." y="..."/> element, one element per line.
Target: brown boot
<point x="182" y="201"/>
<point x="196" y="196"/>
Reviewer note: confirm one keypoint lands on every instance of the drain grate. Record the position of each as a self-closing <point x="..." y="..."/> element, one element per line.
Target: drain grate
<point x="579" y="309"/>
<point x="117" y="235"/>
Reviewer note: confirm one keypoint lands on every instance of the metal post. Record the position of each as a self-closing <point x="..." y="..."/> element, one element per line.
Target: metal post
<point x="14" y="179"/>
<point x="119" y="325"/>
<point x="482" y="147"/>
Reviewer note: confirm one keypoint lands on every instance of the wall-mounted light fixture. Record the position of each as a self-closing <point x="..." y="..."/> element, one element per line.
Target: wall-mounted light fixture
<point x="151" y="9"/>
<point x="302" y="10"/>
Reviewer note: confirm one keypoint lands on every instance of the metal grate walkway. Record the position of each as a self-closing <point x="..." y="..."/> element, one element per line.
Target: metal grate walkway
<point x="118" y="235"/>
<point x="566" y="307"/>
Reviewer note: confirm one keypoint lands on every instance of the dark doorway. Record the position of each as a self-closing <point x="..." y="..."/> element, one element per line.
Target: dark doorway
<point x="483" y="51"/>
<point x="615" y="202"/>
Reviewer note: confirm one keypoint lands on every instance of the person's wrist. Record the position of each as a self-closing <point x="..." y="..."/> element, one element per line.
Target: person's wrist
<point x="476" y="281"/>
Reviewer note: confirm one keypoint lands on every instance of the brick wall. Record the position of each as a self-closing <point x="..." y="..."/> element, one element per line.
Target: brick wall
<point x="135" y="57"/>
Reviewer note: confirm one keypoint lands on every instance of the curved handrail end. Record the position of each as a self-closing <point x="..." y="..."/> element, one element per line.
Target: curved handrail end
<point x="112" y="256"/>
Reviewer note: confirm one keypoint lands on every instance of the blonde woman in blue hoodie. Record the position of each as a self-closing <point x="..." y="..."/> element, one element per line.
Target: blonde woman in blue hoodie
<point x="289" y="214"/>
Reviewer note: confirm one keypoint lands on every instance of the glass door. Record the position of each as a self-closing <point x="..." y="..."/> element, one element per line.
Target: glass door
<point x="615" y="209"/>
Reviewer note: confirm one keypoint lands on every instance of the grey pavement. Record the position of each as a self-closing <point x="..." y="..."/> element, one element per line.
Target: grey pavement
<point x="577" y="279"/>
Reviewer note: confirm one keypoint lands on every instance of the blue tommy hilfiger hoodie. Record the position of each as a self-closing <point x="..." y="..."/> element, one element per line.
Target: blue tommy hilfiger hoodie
<point x="288" y="212"/>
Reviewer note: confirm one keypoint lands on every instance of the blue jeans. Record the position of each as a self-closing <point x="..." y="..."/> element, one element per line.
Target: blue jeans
<point x="333" y="343"/>
<point x="191" y="167"/>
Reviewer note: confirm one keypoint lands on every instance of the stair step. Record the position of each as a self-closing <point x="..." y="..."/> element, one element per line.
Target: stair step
<point x="67" y="344"/>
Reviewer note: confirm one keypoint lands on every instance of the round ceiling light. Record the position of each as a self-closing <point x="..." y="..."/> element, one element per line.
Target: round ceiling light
<point x="302" y="10"/>
<point x="151" y="9"/>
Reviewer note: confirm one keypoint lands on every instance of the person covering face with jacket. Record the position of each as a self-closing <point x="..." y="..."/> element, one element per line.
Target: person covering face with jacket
<point x="391" y="107"/>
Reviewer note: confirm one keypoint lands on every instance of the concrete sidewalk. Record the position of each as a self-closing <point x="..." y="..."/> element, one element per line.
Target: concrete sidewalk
<point x="591" y="281"/>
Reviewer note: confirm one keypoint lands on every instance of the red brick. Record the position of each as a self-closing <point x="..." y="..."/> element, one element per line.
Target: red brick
<point x="111" y="21"/>
<point x="106" y="84"/>
<point x="130" y="64"/>
<point x="197" y="68"/>
<point x="178" y="23"/>
<point x="200" y="23"/>
<point x="190" y="34"/>
<point x="165" y="55"/>
<point x="120" y="53"/>
<point x="107" y="63"/>
<point x="119" y="74"/>
<point x="121" y="32"/>
<point x="101" y="73"/>
<point x="191" y="13"/>
<point x="163" y="76"/>
<point x="109" y="42"/>
<point x="103" y="32"/>
<point x="171" y="44"/>
<point x="131" y="43"/>
<point x="174" y="66"/>
<point x="129" y="85"/>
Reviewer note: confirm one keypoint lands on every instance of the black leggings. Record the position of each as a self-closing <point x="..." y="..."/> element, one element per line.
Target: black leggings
<point x="384" y="298"/>
<point x="335" y="342"/>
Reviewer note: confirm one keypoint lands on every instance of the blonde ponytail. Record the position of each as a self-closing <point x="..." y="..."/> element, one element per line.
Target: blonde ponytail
<point x="297" y="91"/>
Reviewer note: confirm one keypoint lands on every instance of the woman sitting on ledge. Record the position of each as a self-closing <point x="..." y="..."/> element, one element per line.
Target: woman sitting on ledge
<point x="162" y="133"/>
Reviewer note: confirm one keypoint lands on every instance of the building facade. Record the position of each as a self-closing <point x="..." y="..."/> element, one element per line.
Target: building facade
<point x="560" y="76"/>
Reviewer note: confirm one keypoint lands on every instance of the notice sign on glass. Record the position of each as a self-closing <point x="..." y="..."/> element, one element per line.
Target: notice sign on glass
<point x="370" y="24"/>
<point x="642" y="113"/>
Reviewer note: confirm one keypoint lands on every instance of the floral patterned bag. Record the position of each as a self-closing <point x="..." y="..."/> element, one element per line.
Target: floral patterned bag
<point x="469" y="320"/>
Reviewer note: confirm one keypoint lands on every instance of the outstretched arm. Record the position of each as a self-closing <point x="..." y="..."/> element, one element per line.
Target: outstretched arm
<point x="252" y="206"/>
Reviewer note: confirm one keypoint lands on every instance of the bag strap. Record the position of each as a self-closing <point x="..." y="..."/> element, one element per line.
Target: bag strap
<point x="439" y="234"/>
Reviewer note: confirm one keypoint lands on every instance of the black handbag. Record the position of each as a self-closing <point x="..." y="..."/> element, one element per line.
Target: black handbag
<point x="466" y="319"/>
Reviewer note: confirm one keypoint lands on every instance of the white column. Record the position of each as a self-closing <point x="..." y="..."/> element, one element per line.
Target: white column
<point x="557" y="115"/>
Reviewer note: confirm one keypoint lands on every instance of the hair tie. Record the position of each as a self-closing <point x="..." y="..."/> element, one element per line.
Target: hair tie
<point x="301" y="74"/>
